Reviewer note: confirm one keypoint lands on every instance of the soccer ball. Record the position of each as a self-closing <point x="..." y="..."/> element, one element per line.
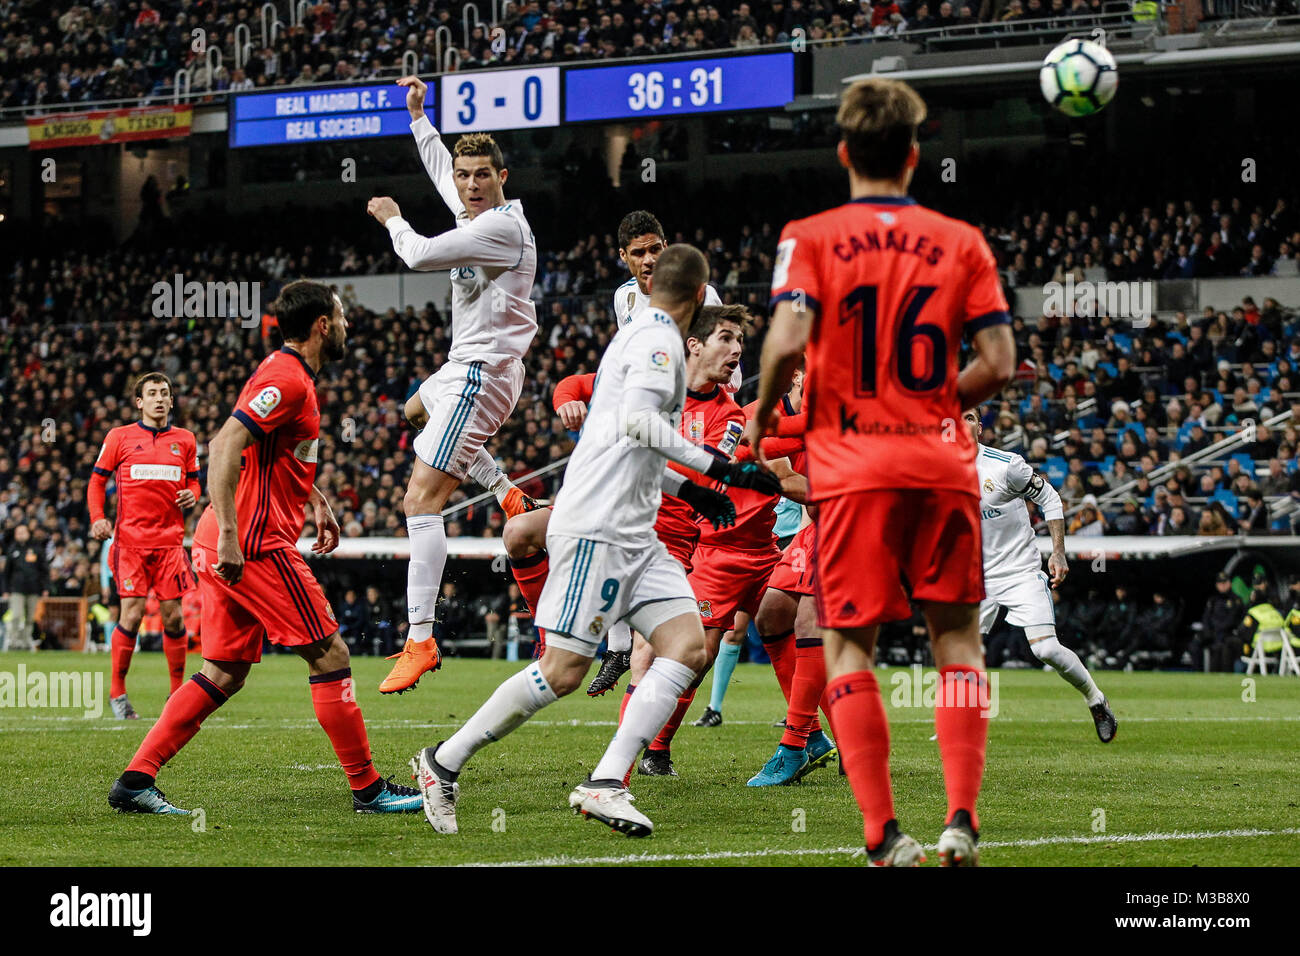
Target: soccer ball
<point x="1079" y="77"/>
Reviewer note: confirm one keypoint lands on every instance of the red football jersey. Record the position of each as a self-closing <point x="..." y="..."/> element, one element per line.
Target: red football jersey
<point x="891" y="286"/>
<point x="715" y="422"/>
<point x="755" y="512"/>
<point x="152" y="466"/>
<point x="278" y="406"/>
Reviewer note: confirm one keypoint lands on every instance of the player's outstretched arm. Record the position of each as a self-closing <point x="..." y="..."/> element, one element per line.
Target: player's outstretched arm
<point x="433" y="152"/>
<point x="991" y="369"/>
<point x="489" y="241"/>
<point x="713" y="506"/>
<point x="571" y="398"/>
<point x="225" y="451"/>
<point x="784" y="344"/>
<point x="646" y="425"/>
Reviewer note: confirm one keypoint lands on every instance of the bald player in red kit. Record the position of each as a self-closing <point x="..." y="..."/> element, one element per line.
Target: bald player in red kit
<point x="155" y="467"/>
<point x="253" y="581"/>
<point x="881" y="291"/>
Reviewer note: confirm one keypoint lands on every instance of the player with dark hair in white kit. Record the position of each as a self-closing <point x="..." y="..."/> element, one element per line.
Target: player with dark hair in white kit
<point x="607" y="564"/>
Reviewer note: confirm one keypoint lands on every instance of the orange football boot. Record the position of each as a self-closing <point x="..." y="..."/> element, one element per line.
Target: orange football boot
<point x="415" y="659"/>
<point x="516" y="503"/>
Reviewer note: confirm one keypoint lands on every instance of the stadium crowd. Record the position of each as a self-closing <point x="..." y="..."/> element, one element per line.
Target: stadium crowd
<point x="61" y="54"/>
<point x="1097" y="405"/>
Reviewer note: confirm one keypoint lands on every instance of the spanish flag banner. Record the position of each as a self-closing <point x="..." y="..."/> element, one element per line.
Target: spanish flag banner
<point x="108" y="126"/>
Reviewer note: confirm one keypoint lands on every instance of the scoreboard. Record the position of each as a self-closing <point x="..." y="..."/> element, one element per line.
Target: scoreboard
<point x="527" y="98"/>
<point x="500" y="99"/>
<point x="679" y="87"/>
<point x="307" y="114"/>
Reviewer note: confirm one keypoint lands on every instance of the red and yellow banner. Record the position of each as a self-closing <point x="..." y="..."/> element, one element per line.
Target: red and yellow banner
<point x="108" y="126"/>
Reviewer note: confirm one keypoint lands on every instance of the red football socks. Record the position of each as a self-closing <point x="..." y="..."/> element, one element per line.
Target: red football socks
<point x="665" y="738"/>
<point x="336" y="708"/>
<point x="175" y="646"/>
<point x="963" y="732"/>
<point x="862" y="735"/>
<point x="123" y="647"/>
<point x="530" y="574"/>
<point x="806" y="690"/>
<point x="186" y="709"/>
<point x="622" y="707"/>
<point x="780" y="648"/>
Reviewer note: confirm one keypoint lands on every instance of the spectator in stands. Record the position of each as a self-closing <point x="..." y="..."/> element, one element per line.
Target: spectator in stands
<point x="26" y="577"/>
<point x="1152" y="638"/>
<point x="352" y="621"/>
<point x="493" y="609"/>
<point x="1115" y="630"/>
<point x="1258" y="519"/>
<point x="1090" y="521"/>
<point x="1176" y="522"/>
<point x="1131" y="519"/>
<point x="1211" y="523"/>
<point x="1277" y="482"/>
<point x="380" y="632"/>
<point x="1219" y="622"/>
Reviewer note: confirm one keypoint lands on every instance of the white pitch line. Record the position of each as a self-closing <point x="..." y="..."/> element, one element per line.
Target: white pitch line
<point x="15" y="724"/>
<point x="857" y="851"/>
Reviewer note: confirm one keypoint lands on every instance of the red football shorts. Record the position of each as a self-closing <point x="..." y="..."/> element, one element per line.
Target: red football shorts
<point x="137" y="571"/>
<point x="727" y="580"/>
<point x="796" y="571"/>
<point x="681" y="548"/>
<point x="278" y="596"/>
<point x="869" y="540"/>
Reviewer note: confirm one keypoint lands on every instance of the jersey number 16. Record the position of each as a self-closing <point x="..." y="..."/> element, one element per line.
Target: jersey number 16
<point x="859" y="307"/>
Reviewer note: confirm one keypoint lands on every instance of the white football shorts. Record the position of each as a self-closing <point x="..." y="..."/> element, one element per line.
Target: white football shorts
<point x="467" y="404"/>
<point x="1027" y="598"/>
<point x="592" y="585"/>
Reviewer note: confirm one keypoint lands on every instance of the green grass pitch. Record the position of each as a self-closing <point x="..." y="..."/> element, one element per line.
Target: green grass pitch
<point x="1199" y="774"/>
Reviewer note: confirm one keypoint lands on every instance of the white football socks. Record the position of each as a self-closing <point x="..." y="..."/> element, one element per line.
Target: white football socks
<point x="1051" y="651"/>
<point x="651" y="705"/>
<point x="483" y="469"/>
<point x="428" y="540"/>
<point x="619" y="637"/>
<point x="517" y="699"/>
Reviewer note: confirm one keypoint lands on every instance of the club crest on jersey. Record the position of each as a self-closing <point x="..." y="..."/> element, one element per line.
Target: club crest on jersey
<point x="265" y="401"/>
<point x="329" y="610"/>
<point x="731" y="438"/>
<point x="176" y="448"/>
<point x="631" y="300"/>
<point x="988" y="486"/>
<point x="706" y="608"/>
<point x="696" y="428"/>
<point x="127" y="585"/>
<point x="781" y="267"/>
<point x="597" y="625"/>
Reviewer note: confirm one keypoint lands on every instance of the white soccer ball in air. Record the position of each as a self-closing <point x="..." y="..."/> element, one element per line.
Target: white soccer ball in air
<point x="1079" y="77"/>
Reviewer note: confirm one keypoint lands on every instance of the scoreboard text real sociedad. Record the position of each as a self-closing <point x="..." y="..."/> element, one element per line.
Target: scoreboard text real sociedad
<point x="517" y="99"/>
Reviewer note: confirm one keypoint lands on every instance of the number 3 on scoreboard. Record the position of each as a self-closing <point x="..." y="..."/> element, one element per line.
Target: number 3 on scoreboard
<point x="859" y="307"/>
<point x="467" y="109"/>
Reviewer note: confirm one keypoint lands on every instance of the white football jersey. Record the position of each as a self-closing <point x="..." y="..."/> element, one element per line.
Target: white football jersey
<point x="1006" y="480"/>
<point x="492" y="258"/>
<point x="611" y="490"/>
<point x="630" y="301"/>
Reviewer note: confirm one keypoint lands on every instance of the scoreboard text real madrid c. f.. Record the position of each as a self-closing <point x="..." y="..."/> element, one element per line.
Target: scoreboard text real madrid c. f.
<point x="526" y="98"/>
